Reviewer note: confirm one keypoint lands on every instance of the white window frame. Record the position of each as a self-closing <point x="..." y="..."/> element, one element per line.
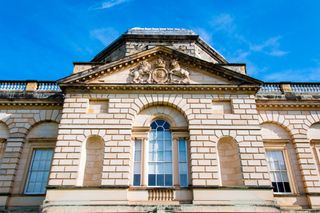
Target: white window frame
<point x="281" y="145"/>
<point x="141" y="161"/>
<point x="143" y="135"/>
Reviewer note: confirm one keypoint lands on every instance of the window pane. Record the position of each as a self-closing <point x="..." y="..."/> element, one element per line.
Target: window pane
<point x="168" y="156"/>
<point x="152" y="180"/>
<point x="278" y="171"/>
<point x="160" y="180"/>
<point x="136" y="179"/>
<point x="183" y="180"/>
<point x="168" y="180"/>
<point x="39" y="171"/>
<point x="152" y="168"/>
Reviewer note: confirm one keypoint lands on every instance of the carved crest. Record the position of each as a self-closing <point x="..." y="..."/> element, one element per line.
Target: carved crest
<point x="160" y="73"/>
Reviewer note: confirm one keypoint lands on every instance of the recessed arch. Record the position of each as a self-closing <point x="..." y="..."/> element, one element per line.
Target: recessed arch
<point x="229" y="162"/>
<point x="44" y="129"/>
<point x="176" y="103"/>
<point x="170" y="114"/>
<point x="274" y="131"/>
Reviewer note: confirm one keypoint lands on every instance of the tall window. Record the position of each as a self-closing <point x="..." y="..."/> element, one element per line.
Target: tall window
<point x="39" y="171"/>
<point x="137" y="163"/>
<point x="160" y="154"/>
<point x="183" y="162"/>
<point x="154" y="158"/>
<point x="278" y="171"/>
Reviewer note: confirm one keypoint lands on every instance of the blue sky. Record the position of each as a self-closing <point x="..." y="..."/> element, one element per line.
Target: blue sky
<point x="278" y="40"/>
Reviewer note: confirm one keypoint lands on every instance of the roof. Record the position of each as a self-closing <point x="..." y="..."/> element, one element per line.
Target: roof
<point x="160" y="31"/>
<point x="170" y="35"/>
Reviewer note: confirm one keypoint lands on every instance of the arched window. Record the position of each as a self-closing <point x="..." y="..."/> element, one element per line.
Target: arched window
<point x="282" y="159"/>
<point x="160" y="154"/>
<point x="40" y="145"/>
<point x="161" y="158"/>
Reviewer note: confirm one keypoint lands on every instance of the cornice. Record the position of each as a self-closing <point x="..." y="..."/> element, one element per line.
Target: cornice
<point x="27" y="103"/>
<point x="284" y="105"/>
<point x="166" y="87"/>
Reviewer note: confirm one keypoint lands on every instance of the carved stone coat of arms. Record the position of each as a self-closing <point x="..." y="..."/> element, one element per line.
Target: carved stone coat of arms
<point x="160" y="72"/>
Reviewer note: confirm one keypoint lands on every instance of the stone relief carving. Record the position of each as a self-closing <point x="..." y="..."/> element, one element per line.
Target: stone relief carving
<point x="160" y="73"/>
<point x="178" y="75"/>
<point x="141" y="74"/>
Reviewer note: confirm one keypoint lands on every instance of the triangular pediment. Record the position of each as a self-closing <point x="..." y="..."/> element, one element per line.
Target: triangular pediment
<point x="160" y="65"/>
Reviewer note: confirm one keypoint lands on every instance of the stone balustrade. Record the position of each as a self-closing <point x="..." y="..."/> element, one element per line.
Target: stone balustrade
<point x="288" y="87"/>
<point x="160" y="194"/>
<point x="30" y="86"/>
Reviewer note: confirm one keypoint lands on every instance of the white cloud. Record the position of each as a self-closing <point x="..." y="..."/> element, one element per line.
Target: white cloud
<point x="278" y="53"/>
<point x="223" y="22"/>
<point x="271" y="47"/>
<point x="104" y="35"/>
<point x="108" y="4"/>
<point x="270" y="42"/>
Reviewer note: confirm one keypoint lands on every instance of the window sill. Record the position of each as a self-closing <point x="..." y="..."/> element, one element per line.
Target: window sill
<point x="138" y="188"/>
<point x="286" y="194"/>
<point x="34" y="195"/>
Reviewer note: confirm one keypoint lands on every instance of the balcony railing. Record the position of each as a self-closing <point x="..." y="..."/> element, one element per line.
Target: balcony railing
<point x="30" y="86"/>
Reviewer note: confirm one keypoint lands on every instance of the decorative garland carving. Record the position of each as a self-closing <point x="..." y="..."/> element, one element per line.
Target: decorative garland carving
<point x="160" y="73"/>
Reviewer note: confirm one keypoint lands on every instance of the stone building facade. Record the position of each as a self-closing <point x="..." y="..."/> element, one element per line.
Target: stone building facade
<point x="159" y="121"/>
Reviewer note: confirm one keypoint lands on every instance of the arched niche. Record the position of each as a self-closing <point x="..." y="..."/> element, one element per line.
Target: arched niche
<point x="91" y="164"/>
<point x="229" y="162"/>
<point x="172" y="115"/>
<point x="44" y="130"/>
<point x="271" y="131"/>
<point x="314" y="132"/>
